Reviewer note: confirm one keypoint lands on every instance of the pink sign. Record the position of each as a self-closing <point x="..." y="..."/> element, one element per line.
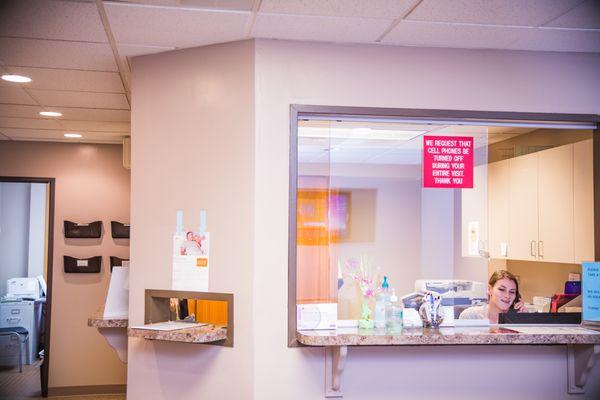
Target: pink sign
<point x="448" y="162"/>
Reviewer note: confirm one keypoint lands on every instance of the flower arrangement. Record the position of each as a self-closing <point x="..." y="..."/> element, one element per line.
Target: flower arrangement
<point x="367" y="277"/>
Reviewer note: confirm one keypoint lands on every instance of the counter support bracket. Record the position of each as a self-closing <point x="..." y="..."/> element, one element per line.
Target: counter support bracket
<point x="580" y="361"/>
<point x="335" y="359"/>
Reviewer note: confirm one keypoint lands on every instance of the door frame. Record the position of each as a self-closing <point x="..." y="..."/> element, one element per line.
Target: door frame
<point x="45" y="370"/>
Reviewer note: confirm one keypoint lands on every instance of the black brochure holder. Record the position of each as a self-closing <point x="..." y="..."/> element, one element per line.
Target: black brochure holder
<point x="119" y="230"/>
<point x="90" y="265"/>
<point x="116" y="262"/>
<point x="75" y="230"/>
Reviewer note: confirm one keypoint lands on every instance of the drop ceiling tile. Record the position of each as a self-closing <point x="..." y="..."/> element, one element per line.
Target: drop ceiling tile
<point x="586" y="15"/>
<point x="30" y="123"/>
<point x="387" y="9"/>
<point x="52" y="135"/>
<point x="241" y="5"/>
<point x="45" y="19"/>
<point x="169" y="26"/>
<point x="65" y="79"/>
<point x="15" y="95"/>
<point x="94" y="114"/>
<point x="132" y="50"/>
<point x="97" y="126"/>
<point x="55" y="98"/>
<point x="329" y="29"/>
<point x="542" y="39"/>
<point x="495" y="12"/>
<point x="19" y="111"/>
<point x="412" y="33"/>
<point x="56" y="54"/>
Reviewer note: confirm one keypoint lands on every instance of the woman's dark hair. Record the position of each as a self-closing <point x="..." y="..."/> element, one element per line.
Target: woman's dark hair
<point x="501" y="274"/>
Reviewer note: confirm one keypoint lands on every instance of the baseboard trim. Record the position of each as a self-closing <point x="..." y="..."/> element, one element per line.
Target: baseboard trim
<point x="84" y="390"/>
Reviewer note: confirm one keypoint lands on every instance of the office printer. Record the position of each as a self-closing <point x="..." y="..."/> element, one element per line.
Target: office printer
<point x="23" y="289"/>
<point x="456" y="293"/>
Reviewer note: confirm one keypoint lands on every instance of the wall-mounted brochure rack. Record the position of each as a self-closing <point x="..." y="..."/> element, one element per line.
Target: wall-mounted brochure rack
<point x="118" y="262"/>
<point x="90" y="265"/>
<point x="74" y="230"/>
<point x="119" y="230"/>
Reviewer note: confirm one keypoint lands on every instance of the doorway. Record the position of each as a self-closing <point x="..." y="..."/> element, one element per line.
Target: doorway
<point x="26" y="252"/>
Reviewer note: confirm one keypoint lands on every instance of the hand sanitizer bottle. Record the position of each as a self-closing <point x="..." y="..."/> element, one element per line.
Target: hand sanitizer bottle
<point x="393" y="313"/>
<point x="380" y="303"/>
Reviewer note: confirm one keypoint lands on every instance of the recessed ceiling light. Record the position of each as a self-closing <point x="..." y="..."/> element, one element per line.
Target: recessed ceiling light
<point x="16" y="78"/>
<point x="51" y="113"/>
<point x="73" y="135"/>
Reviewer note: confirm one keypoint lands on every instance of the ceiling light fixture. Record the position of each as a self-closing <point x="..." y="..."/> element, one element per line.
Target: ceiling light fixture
<point x="16" y="78"/>
<point x="73" y="135"/>
<point x="51" y="113"/>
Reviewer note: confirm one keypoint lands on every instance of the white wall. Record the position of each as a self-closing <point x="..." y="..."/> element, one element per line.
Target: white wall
<point x="14" y="231"/>
<point x="226" y="109"/>
<point x="192" y="149"/>
<point x="380" y="76"/>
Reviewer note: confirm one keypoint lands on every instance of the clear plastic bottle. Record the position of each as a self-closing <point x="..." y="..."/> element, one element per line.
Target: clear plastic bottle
<point x="381" y="301"/>
<point x="393" y="313"/>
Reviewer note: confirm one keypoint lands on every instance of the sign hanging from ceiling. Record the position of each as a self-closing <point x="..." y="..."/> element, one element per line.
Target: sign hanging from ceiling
<point x="448" y="162"/>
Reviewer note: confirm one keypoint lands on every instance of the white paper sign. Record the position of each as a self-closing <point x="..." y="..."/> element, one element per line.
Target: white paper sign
<point x="191" y="262"/>
<point x="117" y="300"/>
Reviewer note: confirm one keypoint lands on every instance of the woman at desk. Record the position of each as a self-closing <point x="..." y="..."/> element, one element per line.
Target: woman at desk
<point x="503" y="296"/>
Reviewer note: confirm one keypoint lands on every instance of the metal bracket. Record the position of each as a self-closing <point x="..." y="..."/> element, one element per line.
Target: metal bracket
<point x="335" y="359"/>
<point x="580" y="361"/>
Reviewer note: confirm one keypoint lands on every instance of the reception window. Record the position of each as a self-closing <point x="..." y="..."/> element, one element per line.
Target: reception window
<point x="435" y="205"/>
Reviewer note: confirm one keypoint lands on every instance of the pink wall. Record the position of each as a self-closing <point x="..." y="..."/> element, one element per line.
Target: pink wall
<point x="193" y="149"/>
<point x="386" y="76"/>
<point x="91" y="185"/>
<point x="225" y="110"/>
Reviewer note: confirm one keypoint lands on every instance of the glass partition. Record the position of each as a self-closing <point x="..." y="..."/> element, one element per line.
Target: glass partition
<point x="437" y="207"/>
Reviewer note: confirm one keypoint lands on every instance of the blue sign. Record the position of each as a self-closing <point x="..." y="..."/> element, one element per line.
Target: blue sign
<point x="590" y="291"/>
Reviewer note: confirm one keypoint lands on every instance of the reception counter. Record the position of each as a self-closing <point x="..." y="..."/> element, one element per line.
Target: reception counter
<point x="98" y="320"/>
<point x="201" y="334"/>
<point x="583" y="345"/>
<point x="506" y="334"/>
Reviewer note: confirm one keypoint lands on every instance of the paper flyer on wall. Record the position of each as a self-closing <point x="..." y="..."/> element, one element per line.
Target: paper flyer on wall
<point x="191" y="261"/>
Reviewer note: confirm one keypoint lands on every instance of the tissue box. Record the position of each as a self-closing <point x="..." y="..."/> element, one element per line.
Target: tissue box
<point x="316" y="316"/>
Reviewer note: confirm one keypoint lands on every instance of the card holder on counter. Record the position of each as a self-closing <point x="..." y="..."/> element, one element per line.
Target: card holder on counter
<point x="118" y="262"/>
<point x="119" y="230"/>
<point x="74" y="230"/>
<point x="90" y="265"/>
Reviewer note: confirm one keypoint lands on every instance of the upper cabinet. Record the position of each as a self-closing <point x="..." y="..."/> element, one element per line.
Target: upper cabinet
<point x="523" y="207"/>
<point x="541" y="205"/>
<point x="555" y="205"/>
<point x="583" y="199"/>
<point x="498" y="209"/>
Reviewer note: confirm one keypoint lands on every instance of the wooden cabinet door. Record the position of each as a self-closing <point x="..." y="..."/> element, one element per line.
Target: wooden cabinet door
<point x="498" y="208"/>
<point x="523" y="207"/>
<point x="583" y="198"/>
<point x="555" y="204"/>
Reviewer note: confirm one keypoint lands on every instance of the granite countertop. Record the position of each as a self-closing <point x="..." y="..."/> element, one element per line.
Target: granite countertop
<point x="201" y="334"/>
<point x="505" y="334"/>
<point x="98" y="320"/>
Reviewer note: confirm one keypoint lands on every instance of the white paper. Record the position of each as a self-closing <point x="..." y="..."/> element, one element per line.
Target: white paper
<point x="117" y="300"/>
<point x="473" y="238"/>
<point x="191" y="263"/>
<point x="169" y="326"/>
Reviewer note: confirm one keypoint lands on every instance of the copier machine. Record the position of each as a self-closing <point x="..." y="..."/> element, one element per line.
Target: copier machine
<point x="22" y="306"/>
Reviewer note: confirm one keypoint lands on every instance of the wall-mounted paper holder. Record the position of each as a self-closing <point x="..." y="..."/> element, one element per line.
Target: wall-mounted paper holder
<point x="82" y="265"/>
<point x="74" y="230"/>
<point x="119" y="230"/>
<point x="118" y="262"/>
